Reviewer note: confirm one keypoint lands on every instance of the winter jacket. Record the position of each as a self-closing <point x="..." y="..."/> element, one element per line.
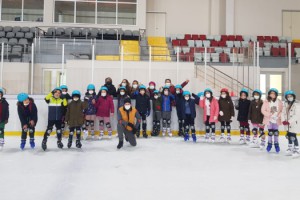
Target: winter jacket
<point x="242" y="105"/>
<point x="289" y="114"/>
<point x="74" y="115"/>
<point x="91" y="109"/>
<point x="191" y="104"/>
<point x="104" y="106"/>
<point x="255" y="115"/>
<point x="111" y="90"/>
<point x="55" y="107"/>
<point x="68" y="98"/>
<point x="156" y="104"/>
<point x="4" y="106"/>
<point x="27" y="113"/>
<point x="142" y="103"/>
<point x="167" y="102"/>
<point x="150" y="93"/>
<point x="179" y="99"/>
<point x="121" y="100"/>
<point x="129" y="116"/>
<point x="226" y="106"/>
<point x="266" y="111"/>
<point x="214" y="110"/>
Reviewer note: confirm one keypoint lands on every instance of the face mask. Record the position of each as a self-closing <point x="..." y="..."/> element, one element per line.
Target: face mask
<point x="151" y="87"/>
<point x="187" y="98"/>
<point x="142" y="92"/>
<point x="64" y="93"/>
<point x="256" y="97"/>
<point x="208" y="96"/>
<point x="123" y="84"/>
<point x="108" y="82"/>
<point x="122" y="93"/>
<point x="134" y="86"/>
<point x="91" y="92"/>
<point x="127" y="107"/>
<point x="177" y="92"/>
<point x="166" y="93"/>
<point x="290" y="99"/>
<point x="155" y="97"/>
<point x="103" y="94"/>
<point x="26" y="104"/>
<point x="75" y="98"/>
<point x="168" y="84"/>
<point x="223" y="96"/>
<point x="0" y="97"/>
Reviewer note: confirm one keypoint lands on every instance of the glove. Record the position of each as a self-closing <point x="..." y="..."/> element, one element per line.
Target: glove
<point x="132" y="126"/>
<point x="285" y="123"/>
<point x="221" y="113"/>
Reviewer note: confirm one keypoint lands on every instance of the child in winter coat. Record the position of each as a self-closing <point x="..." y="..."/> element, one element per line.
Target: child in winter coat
<point x="64" y="95"/>
<point x="90" y="112"/>
<point x="242" y="105"/>
<point x="75" y="118"/>
<point x="290" y="122"/>
<point x="105" y="109"/>
<point x="167" y="100"/>
<point x="255" y="117"/>
<point x="28" y="115"/>
<point x="188" y="110"/>
<point x="156" y="106"/>
<point x="226" y="114"/>
<point x="143" y="106"/>
<point x="122" y="95"/>
<point x="125" y="83"/>
<point x="151" y="89"/>
<point x="210" y="114"/>
<point x="55" y="109"/>
<point x="111" y="88"/>
<point x="272" y="109"/>
<point x="4" y="115"/>
<point x="179" y="99"/>
<point x="168" y="83"/>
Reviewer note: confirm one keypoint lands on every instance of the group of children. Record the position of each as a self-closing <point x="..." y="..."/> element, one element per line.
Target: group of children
<point x="81" y="115"/>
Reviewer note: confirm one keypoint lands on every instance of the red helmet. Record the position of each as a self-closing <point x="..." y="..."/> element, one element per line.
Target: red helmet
<point x="224" y="90"/>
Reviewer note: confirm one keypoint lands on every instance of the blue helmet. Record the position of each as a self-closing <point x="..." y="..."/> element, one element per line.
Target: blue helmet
<point x="166" y="87"/>
<point x="64" y="87"/>
<point x="142" y="87"/>
<point x="244" y="90"/>
<point x="186" y="93"/>
<point x="76" y="92"/>
<point x="1" y="90"/>
<point x="178" y="87"/>
<point x="122" y="88"/>
<point x="90" y="87"/>
<point x="257" y="91"/>
<point x="273" y="90"/>
<point x="22" y="97"/>
<point x="290" y="92"/>
<point x="156" y="92"/>
<point x="200" y="94"/>
<point x="208" y="90"/>
<point x="104" y="88"/>
<point x="57" y="88"/>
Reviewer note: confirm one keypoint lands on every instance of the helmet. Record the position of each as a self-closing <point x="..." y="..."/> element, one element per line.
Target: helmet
<point x="76" y="92"/>
<point x="122" y="88"/>
<point x="224" y="90"/>
<point x="64" y="87"/>
<point x="208" y="90"/>
<point x="156" y="92"/>
<point x="104" y="88"/>
<point x="186" y="93"/>
<point x="289" y="92"/>
<point x="142" y="87"/>
<point x="90" y="87"/>
<point x="273" y="90"/>
<point x="57" y="88"/>
<point x="257" y="91"/>
<point x="200" y="94"/>
<point x="22" y="97"/>
<point x="166" y="87"/>
<point x="178" y="87"/>
<point x="1" y="90"/>
<point x="244" y="90"/>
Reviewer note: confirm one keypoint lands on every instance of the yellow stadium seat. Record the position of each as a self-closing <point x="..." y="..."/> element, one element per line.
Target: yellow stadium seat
<point x="131" y="50"/>
<point x="159" y="49"/>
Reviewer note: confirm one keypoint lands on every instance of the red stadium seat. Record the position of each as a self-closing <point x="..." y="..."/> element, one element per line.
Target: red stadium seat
<point x="200" y="49"/>
<point x="202" y="37"/>
<point x="195" y="37"/>
<point x="187" y="37"/>
<point x="224" y="38"/>
<point x="224" y="57"/>
<point x="268" y="39"/>
<point x="222" y="43"/>
<point x="282" y="52"/>
<point x="231" y="37"/>
<point x="210" y="50"/>
<point x="261" y="43"/>
<point x="175" y="43"/>
<point x="239" y="38"/>
<point x="183" y="43"/>
<point x="275" y="52"/>
<point x="214" y="43"/>
<point x="234" y="50"/>
<point x="275" y="39"/>
<point x="260" y="38"/>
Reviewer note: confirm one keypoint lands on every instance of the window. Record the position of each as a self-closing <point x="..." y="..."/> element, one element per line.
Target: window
<point x="96" y="11"/>
<point x="22" y="10"/>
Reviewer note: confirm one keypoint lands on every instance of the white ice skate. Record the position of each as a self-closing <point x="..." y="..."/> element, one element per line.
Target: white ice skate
<point x="222" y="138"/>
<point x="242" y="140"/>
<point x="262" y="146"/>
<point x="109" y="134"/>
<point x="296" y="153"/>
<point x="169" y="132"/>
<point x="1" y="144"/>
<point x="85" y="134"/>
<point x="289" y="152"/>
<point x="164" y="132"/>
<point x="254" y="143"/>
<point x="101" y="135"/>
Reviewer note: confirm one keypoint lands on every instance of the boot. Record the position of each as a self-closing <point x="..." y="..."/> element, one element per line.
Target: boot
<point x="32" y="143"/>
<point x="44" y="144"/>
<point x="60" y="144"/>
<point x="78" y="144"/>
<point x="23" y="143"/>
<point x="145" y="135"/>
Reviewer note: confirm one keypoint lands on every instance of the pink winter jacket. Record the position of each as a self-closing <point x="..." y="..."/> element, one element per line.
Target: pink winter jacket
<point x="104" y="106"/>
<point x="266" y="111"/>
<point x="214" y="110"/>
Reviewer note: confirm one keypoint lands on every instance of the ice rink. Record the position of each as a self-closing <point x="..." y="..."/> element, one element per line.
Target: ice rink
<point x="157" y="169"/>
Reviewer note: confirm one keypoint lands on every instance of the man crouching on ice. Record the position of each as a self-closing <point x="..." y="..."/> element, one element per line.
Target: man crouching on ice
<point x="129" y="119"/>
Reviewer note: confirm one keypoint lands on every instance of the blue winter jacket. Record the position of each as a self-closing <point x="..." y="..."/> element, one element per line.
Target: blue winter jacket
<point x="167" y="103"/>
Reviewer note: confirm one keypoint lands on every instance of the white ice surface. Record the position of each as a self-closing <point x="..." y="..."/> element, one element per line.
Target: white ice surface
<point x="157" y="169"/>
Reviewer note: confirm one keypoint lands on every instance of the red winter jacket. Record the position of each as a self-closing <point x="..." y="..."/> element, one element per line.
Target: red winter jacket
<point x="104" y="106"/>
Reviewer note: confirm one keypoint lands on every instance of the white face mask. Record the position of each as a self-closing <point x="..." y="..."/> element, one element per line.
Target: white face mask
<point x="166" y="93"/>
<point x="155" y="97"/>
<point x="290" y="99"/>
<point x="64" y="93"/>
<point x="168" y="84"/>
<point x="127" y="107"/>
<point x="91" y="92"/>
<point x="0" y="97"/>
<point x="151" y="87"/>
<point x="256" y="97"/>
<point x="223" y="96"/>
<point x="75" y="98"/>
<point x="208" y="95"/>
<point x="177" y="92"/>
<point x="26" y="104"/>
<point x="187" y="98"/>
<point x="103" y="94"/>
<point x="134" y="86"/>
<point x="122" y="93"/>
<point x="123" y="84"/>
